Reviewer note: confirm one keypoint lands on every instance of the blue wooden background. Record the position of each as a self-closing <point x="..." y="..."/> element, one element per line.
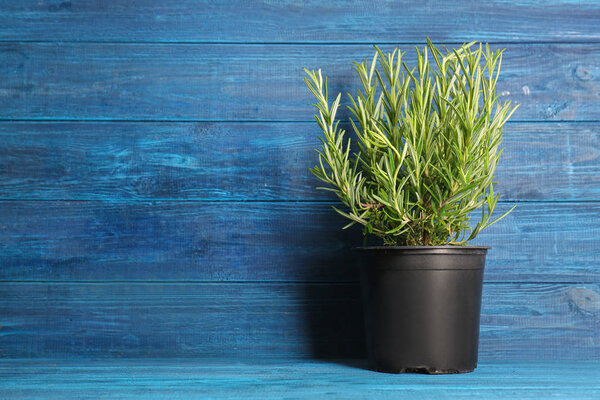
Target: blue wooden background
<point x="155" y="199"/>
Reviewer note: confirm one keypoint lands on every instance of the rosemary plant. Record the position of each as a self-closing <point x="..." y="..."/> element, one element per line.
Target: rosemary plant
<point x="428" y="144"/>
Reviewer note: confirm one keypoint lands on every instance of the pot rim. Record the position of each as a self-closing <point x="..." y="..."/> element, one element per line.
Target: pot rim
<point x="448" y="249"/>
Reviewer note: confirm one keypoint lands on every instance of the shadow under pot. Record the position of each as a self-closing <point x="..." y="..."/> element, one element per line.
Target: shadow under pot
<point x="422" y="307"/>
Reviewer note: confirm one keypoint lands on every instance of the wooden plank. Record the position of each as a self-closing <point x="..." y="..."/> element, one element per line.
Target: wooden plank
<point x="251" y="161"/>
<point x="262" y="82"/>
<point x="182" y="241"/>
<point x="74" y="320"/>
<point x="307" y="21"/>
<point x="108" y="161"/>
<point x="252" y="379"/>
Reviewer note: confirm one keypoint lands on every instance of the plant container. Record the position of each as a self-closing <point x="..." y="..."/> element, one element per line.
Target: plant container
<point x="422" y="306"/>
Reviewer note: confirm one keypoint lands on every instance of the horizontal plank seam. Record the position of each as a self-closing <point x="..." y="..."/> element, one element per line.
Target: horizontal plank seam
<point x="258" y="201"/>
<point x="256" y="121"/>
<point x="228" y="362"/>
<point x="266" y="283"/>
<point x="295" y="43"/>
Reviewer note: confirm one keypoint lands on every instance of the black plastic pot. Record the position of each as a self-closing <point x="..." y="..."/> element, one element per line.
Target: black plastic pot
<point x="422" y="307"/>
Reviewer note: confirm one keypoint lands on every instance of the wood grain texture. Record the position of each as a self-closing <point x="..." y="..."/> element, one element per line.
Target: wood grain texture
<point x="251" y="161"/>
<point x="262" y="82"/>
<point x="215" y="241"/>
<point x="519" y="321"/>
<point x="285" y="379"/>
<point x="306" y="21"/>
<point x="155" y="202"/>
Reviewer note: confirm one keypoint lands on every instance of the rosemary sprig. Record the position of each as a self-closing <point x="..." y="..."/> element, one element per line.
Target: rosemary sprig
<point x="428" y="144"/>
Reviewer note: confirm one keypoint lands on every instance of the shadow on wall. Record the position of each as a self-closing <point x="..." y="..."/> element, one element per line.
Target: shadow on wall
<point x="335" y="324"/>
<point x="332" y="294"/>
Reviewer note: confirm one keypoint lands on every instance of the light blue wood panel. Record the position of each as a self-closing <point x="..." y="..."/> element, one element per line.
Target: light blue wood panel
<point x="192" y="320"/>
<point x="255" y="379"/>
<point x="262" y="82"/>
<point x="251" y="161"/>
<point x="312" y="21"/>
<point x="215" y="241"/>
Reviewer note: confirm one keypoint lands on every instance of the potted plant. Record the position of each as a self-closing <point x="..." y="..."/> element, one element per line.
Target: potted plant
<point x="428" y="143"/>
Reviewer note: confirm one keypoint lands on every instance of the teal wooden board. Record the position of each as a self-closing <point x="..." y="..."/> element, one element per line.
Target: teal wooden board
<point x="251" y="161"/>
<point x="306" y="21"/>
<point x="256" y="241"/>
<point x="266" y="320"/>
<point x="258" y="82"/>
<point x="235" y="379"/>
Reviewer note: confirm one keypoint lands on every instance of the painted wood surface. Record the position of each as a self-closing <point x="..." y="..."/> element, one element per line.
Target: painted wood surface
<point x="306" y="21"/>
<point x="282" y="379"/>
<point x="154" y="198"/>
<point x="100" y="320"/>
<point x="251" y="161"/>
<point x="258" y="82"/>
<point x="256" y="241"/>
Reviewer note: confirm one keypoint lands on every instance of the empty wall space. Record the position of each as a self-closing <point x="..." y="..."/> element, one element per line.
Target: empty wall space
<point x="154" y="193"/>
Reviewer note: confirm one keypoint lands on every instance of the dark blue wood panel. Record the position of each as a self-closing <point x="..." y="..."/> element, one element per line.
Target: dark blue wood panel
<point x="519" y="321"/>
<point x="306" y="21"/>
<point x="262" y="82"/>
<point x="91" y="204"/>
<point x="215" y="241"/>
<point x="251" y="161"/>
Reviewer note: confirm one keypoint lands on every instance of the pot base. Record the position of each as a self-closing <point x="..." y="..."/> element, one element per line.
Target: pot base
<point x="423" y="370"/>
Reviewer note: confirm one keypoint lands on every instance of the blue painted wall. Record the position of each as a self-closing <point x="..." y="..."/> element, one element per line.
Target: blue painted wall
<point x="154" y="197"/>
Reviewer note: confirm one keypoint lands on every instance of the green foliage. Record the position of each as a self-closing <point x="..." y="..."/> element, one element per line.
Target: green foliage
<point x="428" y="144"/>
